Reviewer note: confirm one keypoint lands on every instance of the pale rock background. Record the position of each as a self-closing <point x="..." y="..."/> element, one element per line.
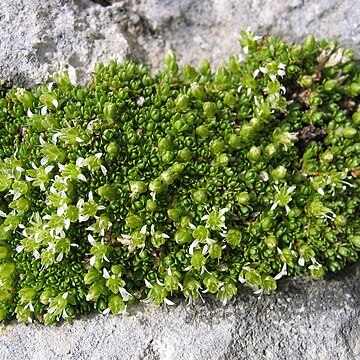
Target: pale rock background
<point x="304" y="319"/>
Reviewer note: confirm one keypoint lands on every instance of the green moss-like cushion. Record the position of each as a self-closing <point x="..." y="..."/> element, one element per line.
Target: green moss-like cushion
<point x="187" y="182"/>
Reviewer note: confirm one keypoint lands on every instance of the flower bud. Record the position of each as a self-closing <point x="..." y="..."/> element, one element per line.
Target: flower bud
<point x="5" y="252"/>
<point x="112" y="149"/>
<point x="230" y="100"/>
<point x="199" y="196"/>
<point x="109" y="111"/>
<point x="138" y="187"/>
<point x="167" y="177"/>
<point x="217" y="146"/>
<point x="26" y="294"/>
<point x="309" y="44"/>
<point x="151" y="205"/>
<point x="198" y="260"/>
<point x="222" y="160"/>
<point x="172" y="281"/>
<point x="356" y="118"/>
<point x="233" y="238"/>
<point x="330" y="85"/>
<point x="205" y="67"/>
<point x="268" y="284"/>
<point x="183" y="236"/>
<point x="156" y="186"/>
<point x="270" y="150"/>
<point x="184" y="155"/>
<point x="243" y="198"/>
<point x="234" y="142"/>
<point x="116" y="304"/>
<point x="92" y="276"/>
<point x="355" y="240"/>
<point x="349" y="132"/>
<point x="201" y="233"/>
<point x="2" y="313"/>
<point x="25" y="97"/>
<point x="209" y="109"/>
<point x="306" y="81"/>
<point x="21" y="205"/>
<point x="108" y="192"/>
<point x="254" y="154"/>
<point x="170" y="63"/>
<point x="245" y="132"/>
<point x="184" y="222"/>
<point x="279" y="173"/>
<point x="198" y="91"/>
<point x="271" y="242"/>
<point x="182" y="102"/>
<point x="215" y="251"/>
<point x="174" y="213"/>
<point x="157" y="239"/>
<point x="327" y="156"/>
<point x="177" y="168"/>
<point x="211" y="283"/>
<point x="203" y="131"/>
<point x="354" y="89"/>
<point x="227" y="291"/>
<point x="295" y="51"/>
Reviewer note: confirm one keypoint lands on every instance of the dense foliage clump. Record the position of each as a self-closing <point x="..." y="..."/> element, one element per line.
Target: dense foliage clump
<point x="190" y="181"/>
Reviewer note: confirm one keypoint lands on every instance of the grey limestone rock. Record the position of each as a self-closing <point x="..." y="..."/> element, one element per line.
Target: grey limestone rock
<point x="38" y="38"/>
<point x="196" y="30"/>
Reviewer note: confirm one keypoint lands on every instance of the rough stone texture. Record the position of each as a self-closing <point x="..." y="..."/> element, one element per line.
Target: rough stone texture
<point x="40" y="37"/>
<point x="200" y="29"/>
<point x="303" y="319"/>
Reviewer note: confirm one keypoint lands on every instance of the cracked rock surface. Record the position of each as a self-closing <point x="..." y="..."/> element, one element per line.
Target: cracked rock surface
<point x="304" y="319"/>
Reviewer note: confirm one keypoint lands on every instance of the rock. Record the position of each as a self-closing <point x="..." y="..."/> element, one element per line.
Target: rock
<point x="196" y="30"/>
<point x="41" y="37"/>
<point x="303" y="319"/>
<point x="76" y="34"/>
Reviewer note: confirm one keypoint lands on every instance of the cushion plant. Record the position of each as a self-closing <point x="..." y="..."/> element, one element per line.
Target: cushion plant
<point x="155" y="187"/>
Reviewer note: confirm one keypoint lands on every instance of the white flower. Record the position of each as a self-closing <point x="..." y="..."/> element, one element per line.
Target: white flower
<point x="81" y="162"/>
<point x="301" y="261"/>
<point x="106" y="274"/>
<point x="124" y="294"/>
<point x="55" y="137"/>
<point x="264" y="70"/>
<point x="193" y="245"/>
<point x="282" y="273"/>
<point x="103" y="169"/>
<point x="282" y="197"/>
<point x="148" y="284"/>
<point x="315" y="265"/>
<point x="20" y="248"/>
<point x="91" y="240"/>
<point x="334" y="59"/>
<point x="41" y="140"/>
<point x="43" y="110"/>
<point x="143" y="230"/>
<point x="168" y="302"/>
